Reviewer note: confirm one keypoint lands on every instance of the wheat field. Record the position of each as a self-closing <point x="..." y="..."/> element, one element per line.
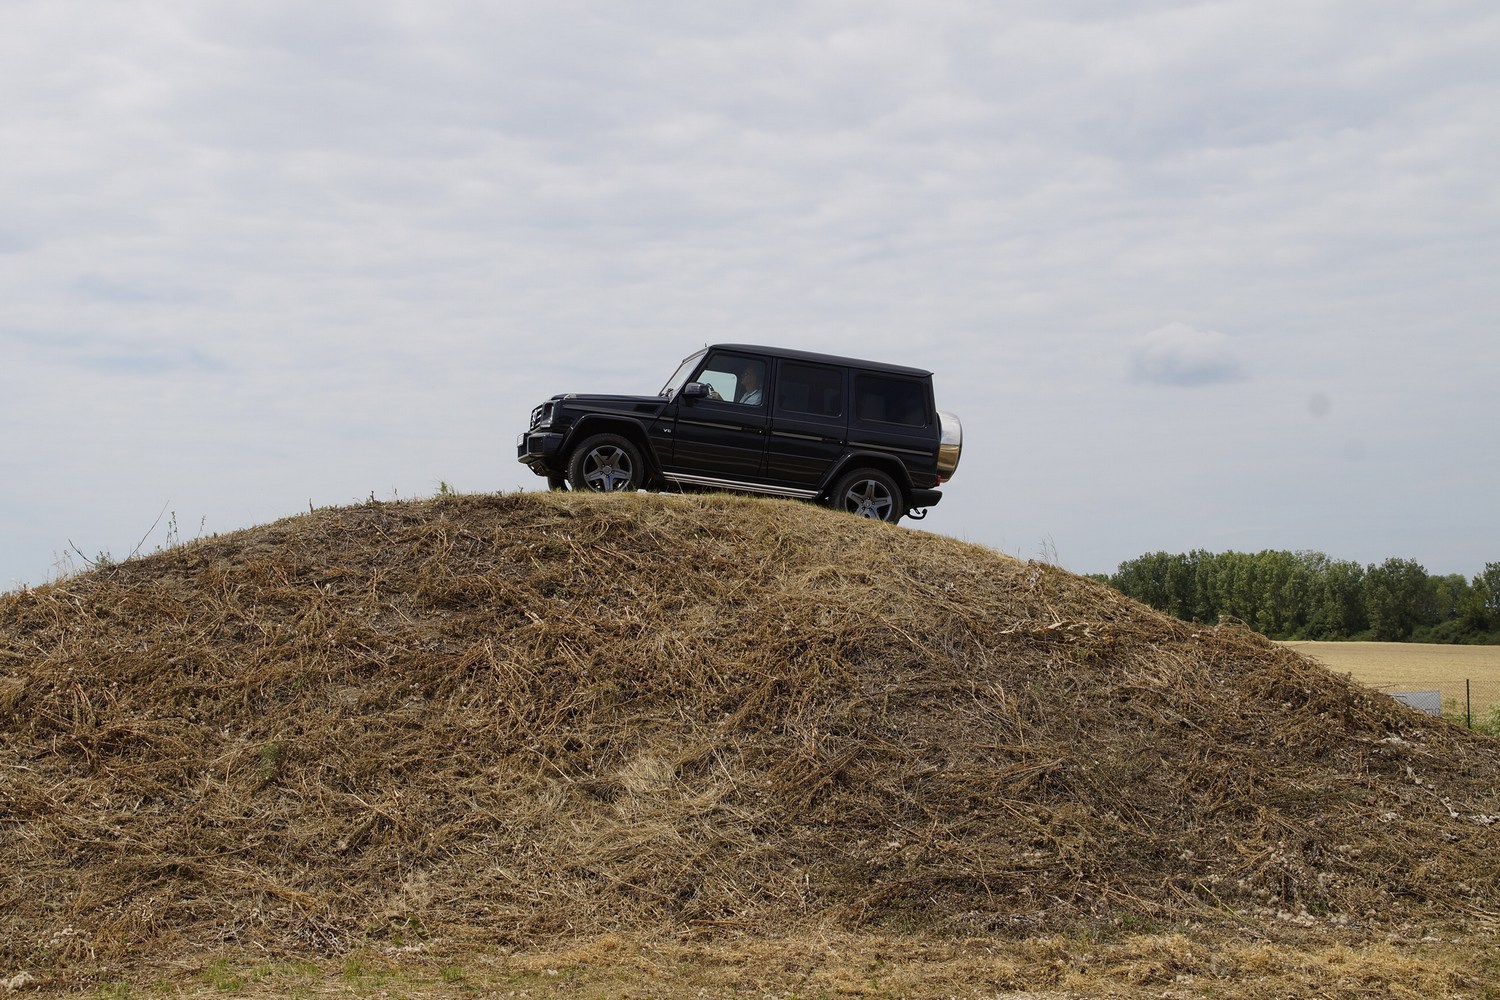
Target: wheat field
<point x="1456" y="671"/>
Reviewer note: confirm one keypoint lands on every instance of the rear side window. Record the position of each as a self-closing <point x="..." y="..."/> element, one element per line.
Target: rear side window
<point x="881" y="399"/>
<point x="811" y="389"/>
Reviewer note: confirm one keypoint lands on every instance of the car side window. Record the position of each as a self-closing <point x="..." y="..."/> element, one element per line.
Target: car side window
<point x="735" y="378"/>
<point x="884" y="400"/>
<point x="810" y="389"/>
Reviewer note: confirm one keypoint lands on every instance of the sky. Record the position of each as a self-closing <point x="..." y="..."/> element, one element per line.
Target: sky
<point x="1219" y="275"/>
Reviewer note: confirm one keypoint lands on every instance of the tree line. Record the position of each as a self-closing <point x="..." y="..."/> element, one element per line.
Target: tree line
<point x="1307" y="595"/>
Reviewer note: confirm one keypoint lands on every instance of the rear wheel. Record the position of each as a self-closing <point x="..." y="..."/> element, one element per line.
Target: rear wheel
<point x="606" y="463"/>
<point x="869" y="493"/>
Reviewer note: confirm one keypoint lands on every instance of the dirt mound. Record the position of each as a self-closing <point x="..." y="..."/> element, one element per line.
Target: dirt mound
<point x="547" y="714"/>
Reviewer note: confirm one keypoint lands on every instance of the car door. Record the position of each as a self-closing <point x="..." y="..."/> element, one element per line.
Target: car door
<point x="809" y="419"/>
<point x="721" y="440"/>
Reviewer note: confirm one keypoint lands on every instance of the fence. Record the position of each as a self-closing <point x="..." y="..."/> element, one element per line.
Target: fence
<point x="1478" y="709"/>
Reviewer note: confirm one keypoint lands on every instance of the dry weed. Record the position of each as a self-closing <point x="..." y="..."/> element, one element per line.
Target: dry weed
<point x="550" y="716"/>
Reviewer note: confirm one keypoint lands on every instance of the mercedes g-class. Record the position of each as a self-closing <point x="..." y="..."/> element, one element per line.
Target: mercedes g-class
<point x="857" y="435"/>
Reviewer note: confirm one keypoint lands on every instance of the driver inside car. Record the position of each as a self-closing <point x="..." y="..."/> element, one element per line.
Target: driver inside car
<point x="747" y="385"/>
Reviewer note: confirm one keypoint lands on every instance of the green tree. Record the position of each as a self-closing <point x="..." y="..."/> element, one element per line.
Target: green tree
<point x="1206" y="599"/>
<point x="1398" y="598"/>
<point x="1271" y="576"/>
<point x="1237" y="585"/>
<point x="1180" y="587"/>
<point x="1339" y="602"/>
<point x="1449" y="594"/>
<point x="1144" y="579"/>
<point x="1286" y="591"/>
<point x="1487" y="586"/>
<point x="1308" y="595"/>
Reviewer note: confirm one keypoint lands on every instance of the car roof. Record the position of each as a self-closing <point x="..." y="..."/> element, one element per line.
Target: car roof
<point x="827" y="359"/>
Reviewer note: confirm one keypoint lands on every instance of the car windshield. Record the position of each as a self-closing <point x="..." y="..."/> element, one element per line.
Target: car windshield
<point x="683" y="371"/>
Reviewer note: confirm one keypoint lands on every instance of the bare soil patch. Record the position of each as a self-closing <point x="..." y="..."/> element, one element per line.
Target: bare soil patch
<point x="1181" y="965"/>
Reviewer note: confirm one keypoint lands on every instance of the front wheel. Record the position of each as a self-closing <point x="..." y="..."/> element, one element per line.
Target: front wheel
<point x="606" y="463"/>
<point x="869" y="493"/>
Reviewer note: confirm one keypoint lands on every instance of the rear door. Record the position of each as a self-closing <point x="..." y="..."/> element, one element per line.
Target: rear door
<point x="809" y="420"/>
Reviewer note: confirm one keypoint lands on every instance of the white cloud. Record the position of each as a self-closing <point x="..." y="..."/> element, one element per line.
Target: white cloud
<point x="1179" y="355"/>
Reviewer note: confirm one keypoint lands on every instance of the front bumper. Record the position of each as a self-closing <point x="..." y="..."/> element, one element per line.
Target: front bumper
<point x="537" y="450"/>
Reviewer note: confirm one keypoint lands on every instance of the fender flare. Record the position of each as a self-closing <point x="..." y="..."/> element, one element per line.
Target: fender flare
<point x="868" y="460"/>
<point x="590" y="424"/>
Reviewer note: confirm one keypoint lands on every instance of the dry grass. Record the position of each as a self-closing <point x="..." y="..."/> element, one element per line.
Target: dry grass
<point x="522" y="721"/>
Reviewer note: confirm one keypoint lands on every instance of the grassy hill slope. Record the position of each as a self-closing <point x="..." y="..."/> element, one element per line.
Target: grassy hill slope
<point x="555" y="714"/>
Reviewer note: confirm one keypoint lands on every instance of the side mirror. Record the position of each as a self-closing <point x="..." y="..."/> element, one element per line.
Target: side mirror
<point x="696" y="390"/>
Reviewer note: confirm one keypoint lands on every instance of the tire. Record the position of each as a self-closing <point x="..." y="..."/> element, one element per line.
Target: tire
<point x="557" y="482"/>
<point x="606" y="463"/>
<point x="869" y="493"/>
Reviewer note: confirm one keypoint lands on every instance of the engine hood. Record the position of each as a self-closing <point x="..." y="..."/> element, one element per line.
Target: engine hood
<point x="586" y="402"/>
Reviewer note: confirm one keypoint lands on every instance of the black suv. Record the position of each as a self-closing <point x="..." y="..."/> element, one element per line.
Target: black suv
<point x="859" y="435"/>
